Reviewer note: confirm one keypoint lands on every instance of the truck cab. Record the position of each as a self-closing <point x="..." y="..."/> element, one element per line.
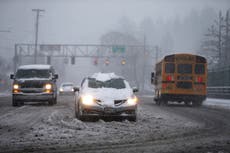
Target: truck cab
<point x="34" y="83"/>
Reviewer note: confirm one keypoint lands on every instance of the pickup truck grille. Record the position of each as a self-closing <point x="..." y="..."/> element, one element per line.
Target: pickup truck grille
<point x="32" y="84"/>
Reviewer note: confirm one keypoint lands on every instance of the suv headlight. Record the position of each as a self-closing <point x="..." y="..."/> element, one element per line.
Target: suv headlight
<point x="132" y="100"/>
<point x="48" y="86"/>
<point x="87" y="100"/>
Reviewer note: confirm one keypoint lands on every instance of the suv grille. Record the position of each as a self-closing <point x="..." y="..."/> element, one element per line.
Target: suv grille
<point x="184" y="85"/>
<point x="118" y="102"/>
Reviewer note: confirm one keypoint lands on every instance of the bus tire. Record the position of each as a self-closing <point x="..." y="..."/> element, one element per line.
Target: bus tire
<point x="197" y="103"/>
<point x="187" y="103"/>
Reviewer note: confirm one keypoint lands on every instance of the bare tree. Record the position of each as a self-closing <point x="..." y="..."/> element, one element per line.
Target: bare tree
<point x="213" y="43"/>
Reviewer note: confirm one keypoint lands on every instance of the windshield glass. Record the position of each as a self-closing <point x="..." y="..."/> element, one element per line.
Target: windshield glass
<point x="184" y="68"/>
<point x="67" y="85"/>
<point x="169" y="68"/>
<point x="199" y="69"/>
<point x="33" y="73"/>
<point x="113" y="83"/>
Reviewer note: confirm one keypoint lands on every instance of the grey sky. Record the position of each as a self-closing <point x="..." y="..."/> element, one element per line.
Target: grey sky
<point x="84" y="21"/>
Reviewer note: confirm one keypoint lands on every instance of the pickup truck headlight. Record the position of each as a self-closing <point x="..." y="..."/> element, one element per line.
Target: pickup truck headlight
<point x="87" y="100"/>
<point x="15" y="86"/>
<point x="48" y="86"/>
<point x="132" y="100"/>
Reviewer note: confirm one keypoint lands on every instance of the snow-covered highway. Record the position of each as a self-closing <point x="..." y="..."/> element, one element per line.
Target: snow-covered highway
<point x="174" y="128"/>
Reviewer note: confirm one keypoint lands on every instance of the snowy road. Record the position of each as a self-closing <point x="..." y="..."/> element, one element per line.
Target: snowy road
<point x="175" y="128"/>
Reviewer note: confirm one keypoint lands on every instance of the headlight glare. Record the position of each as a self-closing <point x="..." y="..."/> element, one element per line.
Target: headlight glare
<point x="87" y="100"/>
<point x="16" y="86"/>
<point x="48" y="86"/>
<point x="61" y="89"/>
<point x="132" y="100"/>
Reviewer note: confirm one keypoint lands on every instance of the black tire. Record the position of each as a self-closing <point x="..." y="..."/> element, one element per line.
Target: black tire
<point x="132" y="118"/>
<point x="187" y="103"/>
<point x="157" y="101"/>
<point x="80" y="115"/>
<point x="197" y="103"/>
<point x="163" y="102"/>
<point x="51" y="102"/>
<point x="15" y="102"/>
<point x="55" y="100"/>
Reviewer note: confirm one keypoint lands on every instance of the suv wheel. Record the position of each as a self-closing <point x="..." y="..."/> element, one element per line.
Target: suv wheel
<point x="133" y="118"/>
<point x="80" y="115"/>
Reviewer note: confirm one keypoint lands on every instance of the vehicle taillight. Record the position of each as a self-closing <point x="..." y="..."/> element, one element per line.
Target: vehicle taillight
<point x="169" y="78"/>
<point x="199" y="79"/>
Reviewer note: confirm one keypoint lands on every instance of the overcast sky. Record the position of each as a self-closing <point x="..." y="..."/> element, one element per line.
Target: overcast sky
<point x="84" y="21"/>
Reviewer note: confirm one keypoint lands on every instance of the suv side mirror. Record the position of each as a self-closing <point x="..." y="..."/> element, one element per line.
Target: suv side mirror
<point x="55" y="76"/>
<point x="135" y="89"/>
<point x="76" y="89"/>
<point x="152" y="77"/>
<point x="12" y="76"/>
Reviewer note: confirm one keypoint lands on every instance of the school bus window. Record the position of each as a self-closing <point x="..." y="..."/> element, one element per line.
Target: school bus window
<point x="169" y="68"/>
<point x="199" y="69"/>
<point x="184" y="68"/>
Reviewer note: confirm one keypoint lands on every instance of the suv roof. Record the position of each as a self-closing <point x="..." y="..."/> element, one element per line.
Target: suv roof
<point x="104" y="76"/>
<point x="35" y="66"/>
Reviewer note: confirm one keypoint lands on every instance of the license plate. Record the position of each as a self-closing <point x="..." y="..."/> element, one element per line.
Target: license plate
<point x="109" y="110"/>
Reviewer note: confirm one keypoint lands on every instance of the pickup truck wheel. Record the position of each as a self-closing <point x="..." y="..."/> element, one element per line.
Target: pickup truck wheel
<point x="14" y="102"/>
<point x="55" y="100"/>
<point x="51" y="102"/>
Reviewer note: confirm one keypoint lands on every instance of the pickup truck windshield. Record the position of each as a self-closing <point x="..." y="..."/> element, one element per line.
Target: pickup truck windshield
<point x="33" y="73"/>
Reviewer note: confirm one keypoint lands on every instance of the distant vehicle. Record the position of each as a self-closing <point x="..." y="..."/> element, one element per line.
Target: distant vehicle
<point x="34" y="83"/>
<point x="106" y="94"/>
<point x="66" y="88"/>
<point x="180" y="78"/>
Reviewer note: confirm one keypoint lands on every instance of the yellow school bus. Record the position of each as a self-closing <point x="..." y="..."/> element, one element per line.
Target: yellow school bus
<point x="180" y="78"/>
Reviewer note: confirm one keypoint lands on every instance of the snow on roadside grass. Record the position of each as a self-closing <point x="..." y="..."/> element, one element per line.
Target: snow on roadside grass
<point x="5" y="94"/>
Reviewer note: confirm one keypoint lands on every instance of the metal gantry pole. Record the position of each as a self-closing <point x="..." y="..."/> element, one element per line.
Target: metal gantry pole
<point x="36" y="33"/>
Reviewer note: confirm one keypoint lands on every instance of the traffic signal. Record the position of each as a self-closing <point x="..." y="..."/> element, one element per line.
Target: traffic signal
<point x="95" y="62"/>
<point x="72" y="60"/>
<point x="123" y="62"/>
<point x="107" y="61"/>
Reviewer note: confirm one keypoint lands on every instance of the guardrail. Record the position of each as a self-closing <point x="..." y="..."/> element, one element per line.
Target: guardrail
<point x="219" y="92"/>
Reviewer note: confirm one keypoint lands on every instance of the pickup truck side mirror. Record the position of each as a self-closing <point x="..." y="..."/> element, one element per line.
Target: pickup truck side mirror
<point x="135" y="89"/>
<point x="12" y="76"/>
<point x="55" y="76"/>
<point x="152" y="77"/>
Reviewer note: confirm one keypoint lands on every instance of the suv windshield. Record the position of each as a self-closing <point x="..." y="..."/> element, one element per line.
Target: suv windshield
<point x="32" y="73"/>
<point x="113" y="83"/>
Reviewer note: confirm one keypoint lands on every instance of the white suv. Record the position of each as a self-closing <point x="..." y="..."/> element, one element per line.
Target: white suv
<point x="106" y="94"/>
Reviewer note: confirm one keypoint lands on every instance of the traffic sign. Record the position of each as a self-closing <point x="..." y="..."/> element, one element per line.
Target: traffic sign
<point x="118" y="49"/>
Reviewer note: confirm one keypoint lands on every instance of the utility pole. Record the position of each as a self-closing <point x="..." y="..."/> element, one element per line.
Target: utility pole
<point x="36" y="33"/>
<point x="144" y="65"/>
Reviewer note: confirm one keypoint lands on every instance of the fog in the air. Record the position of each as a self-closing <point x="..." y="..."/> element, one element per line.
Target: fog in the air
<point x="171" y="25"/>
